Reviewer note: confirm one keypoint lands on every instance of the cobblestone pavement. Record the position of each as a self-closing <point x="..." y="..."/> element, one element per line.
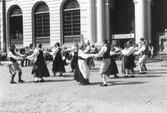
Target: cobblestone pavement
<point x="142" y="94"/>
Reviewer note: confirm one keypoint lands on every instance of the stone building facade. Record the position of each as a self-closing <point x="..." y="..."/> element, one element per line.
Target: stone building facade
<point x="65" y="21"/>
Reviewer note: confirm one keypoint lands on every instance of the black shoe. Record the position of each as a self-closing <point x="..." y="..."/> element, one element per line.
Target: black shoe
<point x="21" y="81"/>
<point x="36" y="81"/>
<point x="132" y="76"/>
<point x="142" y="72"/>
<point x="13" y="82"/>
<point x="42" y="80"/>
<point x="116" y="76"/>
<point x="126" y="76"/>
<point x="82" y="83"/>
<point x="60" y="75"/>
<point x="87" y="82"/>
<point x="103" y="85"/>
<point x="109" y="76"/>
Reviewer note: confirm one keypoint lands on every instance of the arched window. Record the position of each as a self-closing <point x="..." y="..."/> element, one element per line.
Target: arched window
<point x="71" y="21"/>
<point x="16" y="25"/>
<point x="41" y="23"/>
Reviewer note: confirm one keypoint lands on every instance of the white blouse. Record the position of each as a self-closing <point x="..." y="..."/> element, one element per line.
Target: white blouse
<point x="82" y="54"/>
<point x="11" y="55"/>
<point x="34" y="55"/>
<point x="101" y="52"/>
<point x="128" y="51"/>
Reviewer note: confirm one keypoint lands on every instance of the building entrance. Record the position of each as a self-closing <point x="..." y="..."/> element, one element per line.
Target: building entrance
<point x="122" y="21"/>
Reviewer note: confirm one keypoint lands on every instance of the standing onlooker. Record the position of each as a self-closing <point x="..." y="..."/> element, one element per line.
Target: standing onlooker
<point x="142" y="52"/>
<point x="0" y="57"/>
<point x="151" y="50"/>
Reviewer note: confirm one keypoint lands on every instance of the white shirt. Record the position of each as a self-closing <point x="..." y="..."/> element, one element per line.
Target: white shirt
<point x="11" y="55"/>
<point x="34" y="55"/>
<point x="82" y="54"/>
<point x="72" y="49"/>
<point x="140" y="50"/>
<point x="54" y="51"/>
<point x="101" y="52"/>
<point x="88" y="48"/>
<point x="128" y="51"/>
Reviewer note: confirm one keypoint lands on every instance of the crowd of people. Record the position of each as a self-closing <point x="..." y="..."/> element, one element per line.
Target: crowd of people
<point x="81" y="58"/>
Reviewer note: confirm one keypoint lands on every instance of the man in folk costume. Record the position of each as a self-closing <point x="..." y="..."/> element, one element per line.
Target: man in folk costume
<point x="105" y="53"/>
<point x="14" y="66"/>
<point x="82" y="71"/>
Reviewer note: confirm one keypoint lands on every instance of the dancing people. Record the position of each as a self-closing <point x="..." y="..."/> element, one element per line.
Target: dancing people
<point x="74" y="53"/>
<point x="105" y="53"/>
<point x="58" y="64"/>
<point x="113" y="70"/>
<point x="40" y="69"/>
<point x="87" y="51"/>
<point x="129" y="57"/>
<point x="14" y="66"/>
<point x="82" y="71"/>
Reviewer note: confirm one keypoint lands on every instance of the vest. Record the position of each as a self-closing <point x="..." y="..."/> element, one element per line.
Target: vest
<point x="107" y="53"/>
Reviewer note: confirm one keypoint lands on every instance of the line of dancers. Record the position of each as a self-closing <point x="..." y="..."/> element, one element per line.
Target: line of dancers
<point x="81" y="61"/>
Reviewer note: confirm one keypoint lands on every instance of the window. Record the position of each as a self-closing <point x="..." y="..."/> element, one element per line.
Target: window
<point x="42" y="23"/>
<point x="71" y="21"/>
<point x="16" y="25"/>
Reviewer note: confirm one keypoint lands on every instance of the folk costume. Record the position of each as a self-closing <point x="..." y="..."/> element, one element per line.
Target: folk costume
<point x="105" y="53"/>
<point x="40" y="69"/>
<point x="14" y="66"/>
<point x="113" y="69"/>
<point x="128" y="60"/>
<point x="74" y="59"/>
<point x="82" y="71"/>
<point x="58" y="64"/>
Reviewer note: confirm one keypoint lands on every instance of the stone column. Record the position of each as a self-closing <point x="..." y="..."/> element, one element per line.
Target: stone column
<point x="100" y="21"/>
<point x="91" y="21"/>
<point x="107" y="20"/>
<point x="142" y="19"/>
<point x="1" y="44"/>
<point x="139" y="19"/>
<point x="148" y="4"/>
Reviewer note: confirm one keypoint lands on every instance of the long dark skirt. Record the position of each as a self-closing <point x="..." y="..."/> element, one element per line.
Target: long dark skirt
<point x="113" y="69"/>
<point x="78" y="75"/>
<point x="129" y="62"/>
<point x="40" y="70"/>
<point x="74" y="61"/>
<point x="58" y="65"/>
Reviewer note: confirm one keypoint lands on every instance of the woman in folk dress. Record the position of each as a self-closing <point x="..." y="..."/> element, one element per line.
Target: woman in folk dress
<point x="58" y="64"/>
<point x="82" y="71"/>
<point x="40" y="69"/>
